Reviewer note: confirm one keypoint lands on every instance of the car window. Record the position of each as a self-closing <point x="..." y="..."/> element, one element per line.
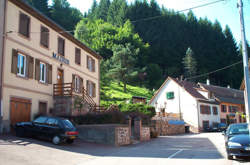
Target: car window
<point x="67" y="124"/>
<point x="40" y="120"/>
<point x="238" y="129"/>
<point x="52" y="121"/>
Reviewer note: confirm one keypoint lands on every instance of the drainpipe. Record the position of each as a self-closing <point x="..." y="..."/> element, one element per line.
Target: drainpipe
<point x="198" y="112"/>
<point x="2" y="35"/>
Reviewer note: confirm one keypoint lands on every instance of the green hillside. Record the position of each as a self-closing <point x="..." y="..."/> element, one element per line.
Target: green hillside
<point x="113" y="94"/>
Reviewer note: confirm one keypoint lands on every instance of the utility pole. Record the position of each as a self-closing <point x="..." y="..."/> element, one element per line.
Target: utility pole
<point x="245" y="62"/>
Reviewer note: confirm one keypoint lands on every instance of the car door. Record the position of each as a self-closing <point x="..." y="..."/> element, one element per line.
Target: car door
<point x="38" y="126"/>
<point x="52" y="128"/>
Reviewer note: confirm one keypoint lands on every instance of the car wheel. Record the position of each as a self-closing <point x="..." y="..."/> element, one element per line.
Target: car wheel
<point x="56" y="140"/>
<point x="229" y="157"/>
<point x="69" y="141"/>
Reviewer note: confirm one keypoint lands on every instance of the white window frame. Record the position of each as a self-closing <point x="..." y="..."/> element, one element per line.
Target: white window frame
<point x="45" y="69"/>
<point x="91" y="89"/>
<point x="77" y="83"/>
<point x="19" y="65"/>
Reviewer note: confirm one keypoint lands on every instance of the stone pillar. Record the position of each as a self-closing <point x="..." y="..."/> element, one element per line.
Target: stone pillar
<point x="137" y="127"/>
<point x="128" y="121"/>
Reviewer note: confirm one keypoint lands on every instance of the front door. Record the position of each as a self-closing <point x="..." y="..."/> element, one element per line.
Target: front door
<point x="60" y="81"/>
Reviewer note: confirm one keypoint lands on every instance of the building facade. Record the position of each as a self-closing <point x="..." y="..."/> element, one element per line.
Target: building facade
<point x="39" y="60"/>
<point x="183" y="100"/>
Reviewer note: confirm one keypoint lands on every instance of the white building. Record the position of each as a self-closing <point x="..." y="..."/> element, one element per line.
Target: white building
<point x="188" y="101"/>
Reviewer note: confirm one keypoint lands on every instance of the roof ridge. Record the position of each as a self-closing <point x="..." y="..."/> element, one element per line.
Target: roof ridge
<point x="221" y="87"/>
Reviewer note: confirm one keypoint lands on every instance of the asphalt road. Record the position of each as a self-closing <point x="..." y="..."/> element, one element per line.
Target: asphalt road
<point x="200" y="149"/>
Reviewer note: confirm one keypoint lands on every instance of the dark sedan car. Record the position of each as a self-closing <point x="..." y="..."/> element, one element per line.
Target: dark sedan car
<point x="52" y="128"/>
<point x="237" y="140"/>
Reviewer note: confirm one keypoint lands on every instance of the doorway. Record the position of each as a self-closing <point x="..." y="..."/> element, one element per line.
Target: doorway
<point x="60" y="81"/>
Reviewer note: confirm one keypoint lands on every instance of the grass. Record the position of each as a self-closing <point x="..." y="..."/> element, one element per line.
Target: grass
<point x="114" y="94"/>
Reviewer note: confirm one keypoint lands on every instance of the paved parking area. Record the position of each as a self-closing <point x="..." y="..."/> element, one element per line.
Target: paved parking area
<point x="205" y="148"/>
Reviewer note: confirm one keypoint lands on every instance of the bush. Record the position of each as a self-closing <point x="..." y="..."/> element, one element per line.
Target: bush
<point x="138" y="108"/>
<point x="111" y="117"/>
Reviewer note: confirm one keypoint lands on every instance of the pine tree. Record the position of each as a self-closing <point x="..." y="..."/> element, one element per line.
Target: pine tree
<point x="102" y="11"/>
<point x="189" y="63"/>
<point x="117" y="12"/>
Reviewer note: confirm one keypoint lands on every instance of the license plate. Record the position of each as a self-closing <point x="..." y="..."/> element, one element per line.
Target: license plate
<point x="72" y="137"/>
<point x="247" y="148"/>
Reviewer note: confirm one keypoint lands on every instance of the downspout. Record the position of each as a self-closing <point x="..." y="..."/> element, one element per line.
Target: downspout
<point x="179" y="102"/>
<point x="2" y="58"/>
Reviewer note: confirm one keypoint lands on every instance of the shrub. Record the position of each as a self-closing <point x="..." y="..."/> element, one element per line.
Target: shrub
<point x="138" y="108"/>
<point x="111" y="117"/>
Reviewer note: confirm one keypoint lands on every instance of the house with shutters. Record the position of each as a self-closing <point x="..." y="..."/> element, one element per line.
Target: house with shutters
<point x="43" y="68"/>
<point x="186" y="101"/>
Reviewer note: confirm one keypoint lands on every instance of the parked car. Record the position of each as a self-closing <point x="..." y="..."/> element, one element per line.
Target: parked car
<point x="219" y="127"/>
<point x="52" y="128"/>
<point x="237" y="140"/>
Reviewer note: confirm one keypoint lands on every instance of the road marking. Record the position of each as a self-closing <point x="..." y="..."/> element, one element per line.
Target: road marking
<point x="175" y="154"/>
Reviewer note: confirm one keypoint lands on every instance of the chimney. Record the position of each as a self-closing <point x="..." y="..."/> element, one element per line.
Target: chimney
<point x="208" y="82"/>
<point x="181" y="78"/>
<point x="228" y="86"/>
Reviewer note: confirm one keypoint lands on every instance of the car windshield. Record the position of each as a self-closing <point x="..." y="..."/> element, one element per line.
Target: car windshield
<point x="68" y="124"/>
<point x="238" y="129"/>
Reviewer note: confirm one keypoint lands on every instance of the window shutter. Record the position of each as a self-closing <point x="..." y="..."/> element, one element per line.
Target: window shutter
<point x="81" y="84"/>
<point x="44" y="37"/>
<point x="88" y="62"/>
<point x="27" y="26"/>
<point x="37" y="70"/>
<point x="73" y="81"/>
<point x="93" y="65"/>
<point x="14" y="61"/>
<point x="49" y="74"/>
<point x="78" y="56"/>
<point x="22" y="23"/>
<point x="61" y="46"/>
<point x="30" y="66"/>
<point x="88" y="87"/>
<point x="94" y="90"/>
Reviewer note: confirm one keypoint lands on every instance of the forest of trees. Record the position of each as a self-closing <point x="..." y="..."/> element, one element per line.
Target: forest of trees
<point x="155" y="48"/>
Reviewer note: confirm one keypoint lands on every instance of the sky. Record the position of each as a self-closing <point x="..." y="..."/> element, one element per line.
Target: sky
<point x="225" y="12"/>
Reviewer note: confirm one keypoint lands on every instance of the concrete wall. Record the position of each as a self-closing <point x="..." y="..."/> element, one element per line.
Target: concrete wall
<point x="114" y="134"/>
<point x="14" y="86"/>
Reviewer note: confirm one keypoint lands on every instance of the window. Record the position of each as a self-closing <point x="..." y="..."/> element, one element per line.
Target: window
<point x="24" y="25"/>
<point x="170" y="95"/>
<point x="78" y="56"/>
<point x="77" y="83"/>
<point x="90" y="64"/>
<point x="235" y="109"/>
<point x="91" y="89"/>
<point x="40" y="120"/>
<point x="205" y="109"/>
<point x="21" y="65"/>
<point x="42" y="108"/>
<point x="61" y="45"/>
<point x="223" y="108"/>
<point x="44" y="40"/>
<point x="215" y="111"/>
<point x="230" y="108"/>
<point x="43" y="72"/>
<point x="52" y="122"/>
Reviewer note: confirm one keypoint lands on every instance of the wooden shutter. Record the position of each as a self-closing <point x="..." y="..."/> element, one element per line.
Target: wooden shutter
<point x="14" y="61"/>
<point x="94" y="90"/>
<point x="81" y="84"/>
<point x="24" y="24"/>
<point x="87" y="87"/>
<point x="73" y="81"/>
<point x="61" y="46"/>
<point x="78" y="56"/>
<point x="37" y="70"/>
<point x="30" y="66"/>
<point x="44" y="36"/>
<point x="88" y="62"/>
<point x="49" y="74"/>
<point x="93" y="65"/>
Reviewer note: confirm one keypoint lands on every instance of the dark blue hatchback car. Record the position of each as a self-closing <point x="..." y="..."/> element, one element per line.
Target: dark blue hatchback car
<point x="237" y="140"/>
<point x="52" y="128"/>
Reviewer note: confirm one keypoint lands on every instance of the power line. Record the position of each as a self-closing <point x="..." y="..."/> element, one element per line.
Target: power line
<point x="143" y="19"/>
<point x="205" y="74"/>
<point x="195" y="7"/>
